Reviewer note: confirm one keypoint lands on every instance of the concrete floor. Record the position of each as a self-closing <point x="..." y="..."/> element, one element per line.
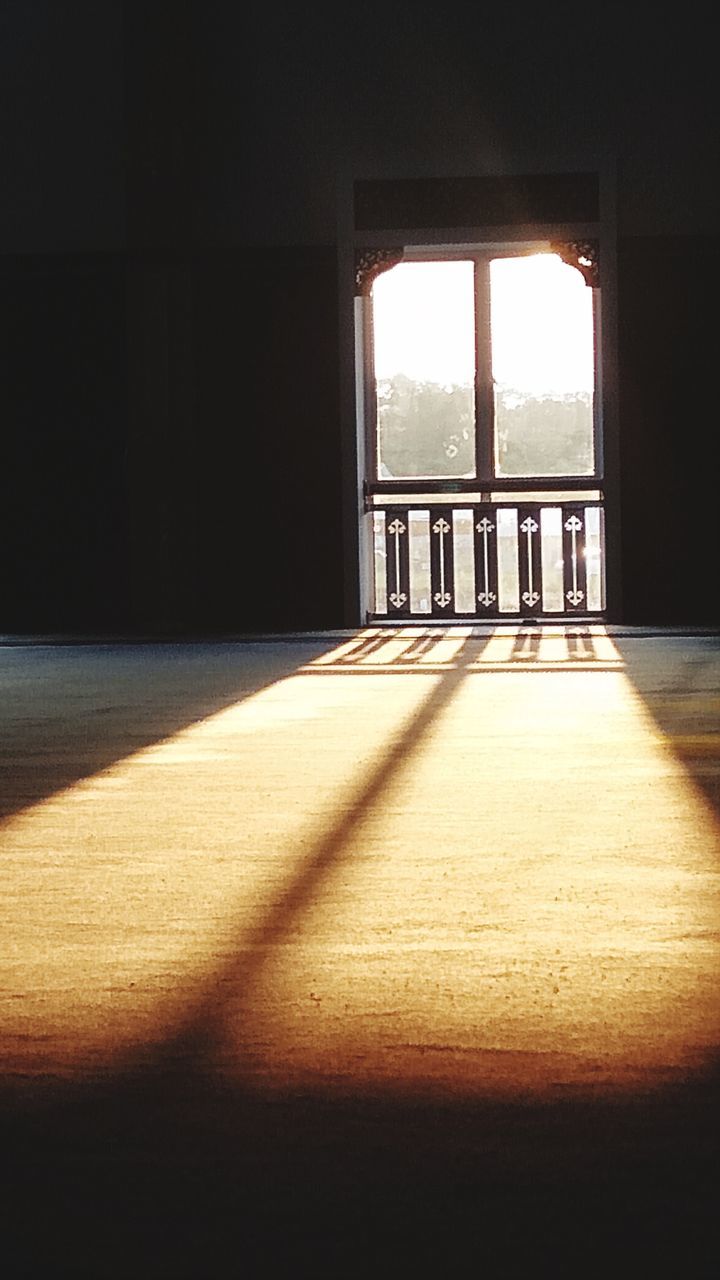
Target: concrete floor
<point x="360" y="953"/>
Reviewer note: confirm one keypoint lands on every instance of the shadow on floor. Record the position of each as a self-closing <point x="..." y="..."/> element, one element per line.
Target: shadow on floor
<point x="71" y="711"/>
<point x="681" y="691"/>
<point x="170" y="1174"/>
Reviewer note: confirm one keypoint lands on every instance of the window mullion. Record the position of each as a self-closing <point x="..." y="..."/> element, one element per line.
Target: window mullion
<point x="484" y="393"/>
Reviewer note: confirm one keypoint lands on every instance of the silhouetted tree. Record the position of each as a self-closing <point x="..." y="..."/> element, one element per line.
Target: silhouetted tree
<point x="429" y="430"/>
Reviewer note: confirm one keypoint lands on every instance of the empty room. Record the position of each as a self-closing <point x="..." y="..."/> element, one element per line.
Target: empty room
<point x="359" y="642"/>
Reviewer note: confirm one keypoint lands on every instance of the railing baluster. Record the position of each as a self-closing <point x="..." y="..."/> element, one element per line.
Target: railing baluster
<point x="486" y="559"/>
<point x="442" y="576"/>
<point x="530" y="561"/>
<point x="398" y="561"/>
<point x="574" y="584"/>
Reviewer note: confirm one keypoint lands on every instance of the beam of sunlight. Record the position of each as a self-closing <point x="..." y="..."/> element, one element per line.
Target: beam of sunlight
<point x="535" y="903"/>
<point x="122" y="893"/>
<point x="441" y="883"/>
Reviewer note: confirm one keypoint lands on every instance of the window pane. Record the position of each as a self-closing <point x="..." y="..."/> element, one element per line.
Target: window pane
<point x="464" y="561"/>
<point x="593" y="558"/>
<point x="551" y="551"/>
<point x="507" y="548"/>
<point x="541" y="324"/>
<point x="379" y="557"/>
<point x="419" y="533"/>
<point x="424" y="350"/>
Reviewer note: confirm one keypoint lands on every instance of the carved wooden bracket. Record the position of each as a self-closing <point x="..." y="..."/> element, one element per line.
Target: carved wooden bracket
<point x="370" y="263"/>
<point x="584" y="255"/>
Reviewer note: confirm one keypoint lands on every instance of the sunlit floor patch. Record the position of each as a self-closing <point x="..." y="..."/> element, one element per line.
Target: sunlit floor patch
<point x="535" y="902"/>
<point x="506" y="648"/>
<point x="124" y="894"/>
<point x="462" y="882"/>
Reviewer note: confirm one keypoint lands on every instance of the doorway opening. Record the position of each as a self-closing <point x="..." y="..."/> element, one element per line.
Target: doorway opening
<point x="479" y="403"/>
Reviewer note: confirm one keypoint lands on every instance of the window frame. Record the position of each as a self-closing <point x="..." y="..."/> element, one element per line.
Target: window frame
<point x="480" y="254"/>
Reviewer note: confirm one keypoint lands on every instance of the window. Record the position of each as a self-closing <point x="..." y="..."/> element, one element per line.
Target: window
<point x="481" y="381"/>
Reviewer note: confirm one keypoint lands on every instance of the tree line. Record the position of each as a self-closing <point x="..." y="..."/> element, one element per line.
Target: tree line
<point x="428" y="429"/>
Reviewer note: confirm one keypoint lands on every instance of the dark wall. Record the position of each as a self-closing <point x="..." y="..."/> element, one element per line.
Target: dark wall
<point x="235" y="448"/>
<point x="171" y="459"/>
<point x="169" y="359"/>
<point x="63" y="409"/>
<point x="61" y="125"/>
<point x="269" y="482"/>
<point x="668" y="417"/>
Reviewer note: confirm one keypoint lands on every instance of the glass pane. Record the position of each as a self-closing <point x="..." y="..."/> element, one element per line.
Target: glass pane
<point x="551" y="550"/>
<point x="499" y="495"/>
<point x="424" y="351"/>
<point x="432" y="499"/>
<point x="419" y="533"/>
<point x="541" y="323"/>
<point x="537" y="495"/>
<point x="508" y="574"/>
<point x="593" y="558"/>
<point x="379" y="557"/>
<point x="464" y="561"/>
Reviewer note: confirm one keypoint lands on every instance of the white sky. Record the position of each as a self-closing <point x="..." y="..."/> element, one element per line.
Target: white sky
<point x="541" y="323"/>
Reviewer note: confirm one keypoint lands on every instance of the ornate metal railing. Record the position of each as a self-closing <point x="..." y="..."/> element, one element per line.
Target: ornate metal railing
<point x="488" y="560"/>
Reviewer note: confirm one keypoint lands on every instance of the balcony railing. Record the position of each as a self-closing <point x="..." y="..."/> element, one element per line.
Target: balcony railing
<point x="487" y="560"/>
